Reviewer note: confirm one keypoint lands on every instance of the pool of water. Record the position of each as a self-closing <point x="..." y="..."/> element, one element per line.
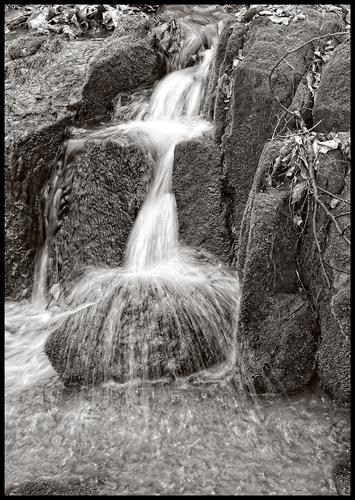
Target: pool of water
<point x="175" y="439"/>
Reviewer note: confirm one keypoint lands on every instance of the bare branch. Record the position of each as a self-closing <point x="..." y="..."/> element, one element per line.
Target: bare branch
<point x="334" y="196"/>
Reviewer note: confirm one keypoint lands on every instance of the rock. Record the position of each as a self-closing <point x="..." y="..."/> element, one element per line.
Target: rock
<point x="50" y="487"/>
<point x="342" y="479"/>
<point x="251" y="114"/>
<point x="277" y="331"/>
<point x="140" y="328"/>
<point x="124" y="64"/>
<point x="333" y="304"/>
<point x="25" y="46"/>
<point x="332" y="101"/>
<point x="109" y="185"/>
<point x="202" y="204"/>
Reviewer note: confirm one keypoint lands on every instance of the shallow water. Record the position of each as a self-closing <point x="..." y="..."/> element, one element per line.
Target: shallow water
<point x="176" y="439"/>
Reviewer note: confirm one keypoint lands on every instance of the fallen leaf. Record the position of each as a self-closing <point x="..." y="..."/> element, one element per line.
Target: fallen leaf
<point x="334" y="202"/>
<point x="297" y="220"/>
<point x="298" y="190"/>
<point x="326" y="146"/>
<point x="279" y="20"/>
<point x="299" y="17"/>
<point x="298" y="139"/>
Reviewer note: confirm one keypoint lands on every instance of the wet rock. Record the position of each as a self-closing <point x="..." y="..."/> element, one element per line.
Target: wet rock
<point x="201" y="204"/>
<point x="109" y="185"/>
<point x="333" y="304"/>
<point x="51" y="488"/>
<point x="332" y="101"/>
<point x="123" y="64"/>
<point x="277" y="329"/>
<point x="139" y="328"/>
<point x="342" y="479"/>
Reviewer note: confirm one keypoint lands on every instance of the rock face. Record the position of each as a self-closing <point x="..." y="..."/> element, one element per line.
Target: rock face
<point x="333" y="304"/>
<point x="109" y="185"/>
<point x="252" y="112"/>
<point x="277" y="329"/>
<point x="332" y="99"/>
<point x="124" y="64"/>
<point x="198" y="189"/>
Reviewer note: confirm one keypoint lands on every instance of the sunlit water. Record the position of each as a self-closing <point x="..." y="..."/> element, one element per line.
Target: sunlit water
<point x="199" y="434"/>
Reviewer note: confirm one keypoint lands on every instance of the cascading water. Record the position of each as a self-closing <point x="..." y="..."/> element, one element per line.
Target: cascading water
<point x="168" y="312"/>
<point x="164" y="312"/>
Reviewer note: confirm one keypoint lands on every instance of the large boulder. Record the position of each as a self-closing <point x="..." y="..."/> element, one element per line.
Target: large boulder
<point x="332" y="100"/>
<point x="277" y="333"/>
<point x="108" y="186"/>
<point x="125" y="325"/>
<point x="332" y="302"/>
<point x="126" y="63"/>
<point x="202" y="204"/>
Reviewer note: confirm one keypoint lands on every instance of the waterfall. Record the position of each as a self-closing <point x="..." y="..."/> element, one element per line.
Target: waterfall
<point x="165" y="311"/>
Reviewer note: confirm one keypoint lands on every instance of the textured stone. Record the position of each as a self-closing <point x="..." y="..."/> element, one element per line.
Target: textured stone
<point x="51" y="488"/>
<point x="123" y="64"/>
<point x="332" y="304"/>
<point x="277" y="330"/>
<point x="200" y="199"/>
<point x="332" y="101"/>
<point x="109" y="186"/>
<point x="252" y="112"/>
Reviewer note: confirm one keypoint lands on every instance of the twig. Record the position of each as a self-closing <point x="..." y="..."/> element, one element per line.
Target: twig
<point x="343" y="214"/>
<point x="331" y="216"/>
<point x="336" y="269"/>
<point x="309" y="130"/>
<point x="317" y="242"/>
<point x="334" y="196"/>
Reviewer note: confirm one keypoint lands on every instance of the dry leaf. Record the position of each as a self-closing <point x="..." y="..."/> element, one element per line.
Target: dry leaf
<point x="298" y="140"/>
<point x="326" y="146"/>
<point x="298" y="190"/>
<point x="299" y="17"/>
<point x="334" y="202"/>
<point x="279" y="20"/>
<point x="297" y="220"/>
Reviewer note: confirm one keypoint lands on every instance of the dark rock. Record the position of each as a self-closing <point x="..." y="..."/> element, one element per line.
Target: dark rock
<point x="198" y="189"/>
<point x="25" y="46"/>
<point x="51" y="488"/>
<point x="342" y="479"/>
<point x="138" y="328"/>
<point x="332" y="101"/>
<point x="277" y="330"/>
<point x="109" y="185"/>
<point x="123" y="64"/>
<point x="26" y="173"/>
<point x="252" y="111"/>
<point x="333" y="304"/>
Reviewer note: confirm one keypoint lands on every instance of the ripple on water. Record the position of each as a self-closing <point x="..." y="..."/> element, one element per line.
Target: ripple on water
<point x="170" y="439"/>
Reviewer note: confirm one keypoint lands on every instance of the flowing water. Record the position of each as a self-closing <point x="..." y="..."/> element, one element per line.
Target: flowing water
<point x="169" y="416"/>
